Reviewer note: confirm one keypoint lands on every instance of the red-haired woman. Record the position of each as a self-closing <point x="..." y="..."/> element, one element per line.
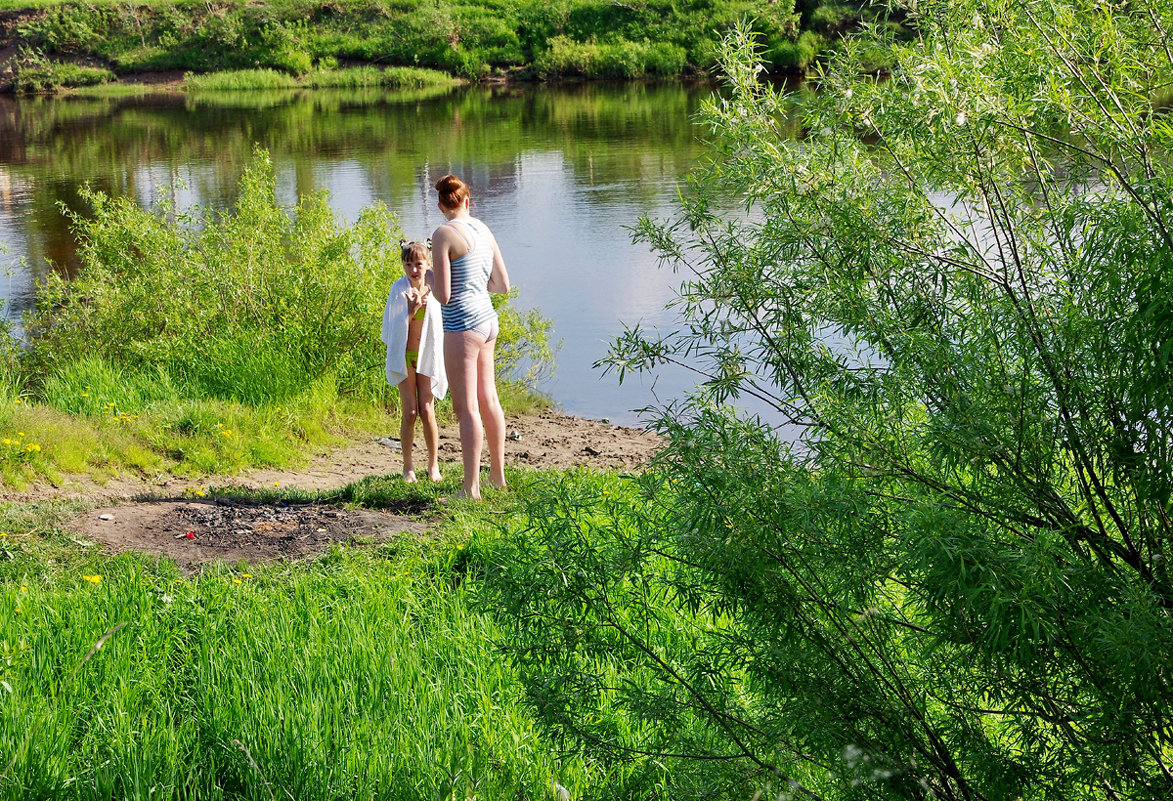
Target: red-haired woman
<point x="467" y="266"/>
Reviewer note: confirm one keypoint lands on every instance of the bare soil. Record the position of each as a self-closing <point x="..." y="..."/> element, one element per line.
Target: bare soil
<point x="159" y="515"/>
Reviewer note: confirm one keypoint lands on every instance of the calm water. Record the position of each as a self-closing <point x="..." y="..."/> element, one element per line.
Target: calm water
<point x="556" y="172"/>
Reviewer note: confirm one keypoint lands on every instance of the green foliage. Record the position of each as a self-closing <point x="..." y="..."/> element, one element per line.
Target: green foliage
<point x="617" y="60"/>
<point x="252" y="304"/>
<point x="350" y="78"/>
<point x="468" y="38"/>
<point x="35" y="74"/>
<point x="954" y="582"/>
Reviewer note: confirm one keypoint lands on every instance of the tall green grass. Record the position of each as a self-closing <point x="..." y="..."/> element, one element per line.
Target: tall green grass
<point x="362" y="674"/>
<point x="348" y="78"/>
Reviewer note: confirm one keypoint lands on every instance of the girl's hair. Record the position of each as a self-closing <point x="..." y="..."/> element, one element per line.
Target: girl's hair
<point x="453" y="191"/>
<point x="409" y="249"/>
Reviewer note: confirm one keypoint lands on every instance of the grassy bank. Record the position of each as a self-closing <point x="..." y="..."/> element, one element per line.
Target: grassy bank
<point x="369" y="672"/>
<point x="75" y="44"/>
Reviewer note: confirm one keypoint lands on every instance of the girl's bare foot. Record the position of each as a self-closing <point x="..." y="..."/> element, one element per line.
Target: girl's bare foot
<point x="434" y="474"/>
<point x="409" y="476"/>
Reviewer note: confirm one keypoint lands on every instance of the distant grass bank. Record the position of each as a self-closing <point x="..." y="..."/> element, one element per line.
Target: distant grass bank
<point x="73" y="44"/>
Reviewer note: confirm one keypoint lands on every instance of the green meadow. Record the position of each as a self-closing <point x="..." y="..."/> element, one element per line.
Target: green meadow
<point x="372" y="671"/>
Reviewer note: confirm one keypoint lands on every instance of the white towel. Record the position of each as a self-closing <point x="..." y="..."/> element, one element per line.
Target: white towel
<point x="431" y="350"/>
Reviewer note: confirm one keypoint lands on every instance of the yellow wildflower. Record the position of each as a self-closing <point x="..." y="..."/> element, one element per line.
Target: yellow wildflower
<point x="85" y="394"/>
<point x="236" y="581"/>
<point x="95" y="579"/>
<point x="247" y="575"/>
<point x="276" y="483"/>
<point x="20" y="433"/>
<point x="6" y="441"/>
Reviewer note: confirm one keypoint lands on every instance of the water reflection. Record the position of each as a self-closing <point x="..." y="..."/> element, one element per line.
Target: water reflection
<point x="557" y="172"/>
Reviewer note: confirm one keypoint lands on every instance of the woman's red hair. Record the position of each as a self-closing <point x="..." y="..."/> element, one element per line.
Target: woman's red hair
<point x="453" y="191"/>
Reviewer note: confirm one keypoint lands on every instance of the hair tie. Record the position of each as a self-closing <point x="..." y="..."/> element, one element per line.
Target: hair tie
<point x="429" y="243"/>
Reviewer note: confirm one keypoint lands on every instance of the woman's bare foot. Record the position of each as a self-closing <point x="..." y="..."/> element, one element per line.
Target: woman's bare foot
<point x="409" y="476"/>
<point x="459" y="495"/>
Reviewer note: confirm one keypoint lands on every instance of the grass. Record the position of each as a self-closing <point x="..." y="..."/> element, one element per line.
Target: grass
<point x="369" y="672"/>
<point x="350" y="78"/>
<point x="88" y="428"/>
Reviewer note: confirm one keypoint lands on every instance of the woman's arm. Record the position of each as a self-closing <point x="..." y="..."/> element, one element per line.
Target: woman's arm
<point x="499" y="277"/>
<point x="441" y="264"/>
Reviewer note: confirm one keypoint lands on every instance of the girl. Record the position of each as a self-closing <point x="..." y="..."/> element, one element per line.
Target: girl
<point x="413" y="334"/>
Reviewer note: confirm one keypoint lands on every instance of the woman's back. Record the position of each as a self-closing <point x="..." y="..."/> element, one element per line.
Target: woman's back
<point x="469" y="304"/>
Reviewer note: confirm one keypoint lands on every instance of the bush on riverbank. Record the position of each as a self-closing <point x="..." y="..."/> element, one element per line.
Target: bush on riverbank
<point x="589" y="38"/>
<point x="937" y="564"/>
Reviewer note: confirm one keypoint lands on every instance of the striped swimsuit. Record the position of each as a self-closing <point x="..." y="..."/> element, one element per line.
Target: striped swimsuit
<point x="468" y="304"/>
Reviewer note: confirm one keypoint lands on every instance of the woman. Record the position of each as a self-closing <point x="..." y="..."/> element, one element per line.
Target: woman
<point x="467" y="266"/>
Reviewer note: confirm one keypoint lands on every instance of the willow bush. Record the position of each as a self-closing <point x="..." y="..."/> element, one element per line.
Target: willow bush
<point x="953" y="582"/>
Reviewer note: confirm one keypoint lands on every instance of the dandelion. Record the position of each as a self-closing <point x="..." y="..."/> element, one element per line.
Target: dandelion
<point x="95" y="579"/>
<point x="276" y="483"/>
<point x="24" y="588"/>
<point x="3" y="533"/>
<point x="6" y="441"/>
<point x="20" y="433"/>
<point x="228" y="432"/>
<point x="247" y="575"/>
<point x="85" y="394"/>
<point x="18" y="611"/>
<point x="236" y="581"/>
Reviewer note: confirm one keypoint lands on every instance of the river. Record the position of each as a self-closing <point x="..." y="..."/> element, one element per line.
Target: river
<point x="559" y="173"/>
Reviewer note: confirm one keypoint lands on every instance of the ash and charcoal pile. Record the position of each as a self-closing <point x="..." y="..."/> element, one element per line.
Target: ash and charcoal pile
<point x="223" y="529"/>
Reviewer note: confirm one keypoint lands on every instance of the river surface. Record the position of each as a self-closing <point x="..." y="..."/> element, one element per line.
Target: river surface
<point x="559" y="173"/>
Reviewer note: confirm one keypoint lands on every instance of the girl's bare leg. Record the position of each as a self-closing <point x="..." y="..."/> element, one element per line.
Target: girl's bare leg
<point x="492" y="416"/>
<point x="410" y="406"/>
<point x="461" y="352"/>
<point x="427" y="410"/>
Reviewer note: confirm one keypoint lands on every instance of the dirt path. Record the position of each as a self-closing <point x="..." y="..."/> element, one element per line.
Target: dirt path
<point x="166" y="516"/>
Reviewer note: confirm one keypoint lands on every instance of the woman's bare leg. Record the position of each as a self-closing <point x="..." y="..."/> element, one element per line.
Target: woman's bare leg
<point x="461" y="352"/>
<point x="492" y="416"/>
<point x="409" y="403"/>
<point x="427" y="410"/>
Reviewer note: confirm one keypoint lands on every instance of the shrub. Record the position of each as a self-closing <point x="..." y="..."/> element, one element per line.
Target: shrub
<point x="255" y="304"/>
<point x="36" y="74"/>
<point x="250" y="304"/>
<point x="936" y="564"/>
